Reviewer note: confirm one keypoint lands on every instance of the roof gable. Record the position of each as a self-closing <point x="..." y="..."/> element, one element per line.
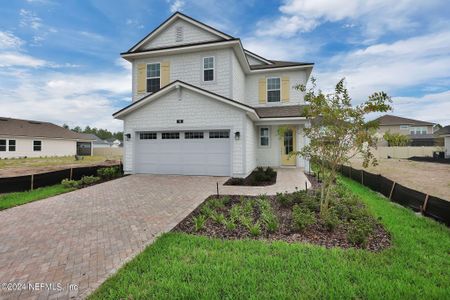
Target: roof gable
<point x="387" y="120"/>
<point x="193" y="31"/>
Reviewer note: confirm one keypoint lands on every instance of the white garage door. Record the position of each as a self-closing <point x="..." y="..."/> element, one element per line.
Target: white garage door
<point x="184" y="152"/>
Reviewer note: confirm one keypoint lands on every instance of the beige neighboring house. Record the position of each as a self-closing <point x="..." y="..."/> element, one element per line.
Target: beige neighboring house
<point x="26" y="138"/>
<point x="444" y="132"/>
<point x="419" y="132"/>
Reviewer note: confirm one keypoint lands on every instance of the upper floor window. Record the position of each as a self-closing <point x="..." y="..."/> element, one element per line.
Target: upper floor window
<point x="273" y="89"/>
<point x="208" y="68"/>
<point x="418" y="130"/>
<point x="153" y="77"/>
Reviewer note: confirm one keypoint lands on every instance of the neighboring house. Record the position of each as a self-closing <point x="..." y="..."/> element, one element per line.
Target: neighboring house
<point x="204" y="105"/>
<point x="420" y="133"/>
<point x="98" y="142"/>
<point x="444" y="132"/>
<point x="114" y="143"/>
<point x="25" y="138"/>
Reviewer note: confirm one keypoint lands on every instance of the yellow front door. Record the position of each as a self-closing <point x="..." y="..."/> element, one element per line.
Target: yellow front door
<point x="287" y="147"/>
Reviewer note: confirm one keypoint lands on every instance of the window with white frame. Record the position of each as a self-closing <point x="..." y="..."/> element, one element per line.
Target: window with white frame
<point x="153" y="77"/>
<point x="418" y="130"/>
<point x="12" y="145"/>
<point x="404" y="127"/>
<point x="37" y="145"/>
<point x="264" y="136"/>
<point x="2" y="145"/>
<point x="208" y="68"/>
<point x="273" y="89"/>
<point x="170" y="135"/>
<point x="190" y="135"/>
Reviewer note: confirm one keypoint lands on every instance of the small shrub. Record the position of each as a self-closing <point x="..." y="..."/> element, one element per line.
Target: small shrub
<point x="235" y="212"/>
<point x="270" y="173"/>
<point x="284" y="199"/>
<point x="206" y="211"/>
<point x="89" y="180"/>
<point x="359" y="231"/>
<point x="255" y="229"/>
<point x="246" y="221"/>
<point x="199" y="222"/>
<point x="225" y="200"/>
<point x="260" y="176"/>
<point x="329" y="219"/>
<point x="311" y="202"/>
<point x="302" y="218"/>
<point x="247" y="207"/>
<point x="268" y="217"/>
<point x="215" y="204"/>
<point x="73" y="184"/>
<point x="230" y="224"/>
<point x="218" y="218"/>
<point x="108" y="173"/>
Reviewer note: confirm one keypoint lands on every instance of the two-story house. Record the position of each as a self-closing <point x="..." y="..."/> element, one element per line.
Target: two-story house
<point x="204" y="105"/>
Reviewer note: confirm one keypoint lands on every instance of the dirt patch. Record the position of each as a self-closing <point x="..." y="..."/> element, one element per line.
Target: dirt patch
<point x="28" y="170"/>
<point x="316" y="234"/>
<point x="427" y="177"/>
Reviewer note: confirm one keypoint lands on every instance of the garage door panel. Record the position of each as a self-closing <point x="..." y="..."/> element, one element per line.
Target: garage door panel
<point x="183" y="156"/>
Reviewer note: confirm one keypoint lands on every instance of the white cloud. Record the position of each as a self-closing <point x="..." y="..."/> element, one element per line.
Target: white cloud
<point x="10" y="41"/>
<point x="75" y="99"/>
<point x="277" y="48"/>
<point x="374" y="16"/>
<point x="29" y="19"/>
<point x="9" y="59"/>
<point x="430" y="107"/>
<point x="176" y="5"/>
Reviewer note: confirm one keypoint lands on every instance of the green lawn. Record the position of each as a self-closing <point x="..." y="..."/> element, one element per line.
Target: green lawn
<point x="15" y="199"/>
<point x="183" y="266"/>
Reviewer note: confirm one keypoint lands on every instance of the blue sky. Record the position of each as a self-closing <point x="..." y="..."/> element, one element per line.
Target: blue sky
<point x="59" y="60"/>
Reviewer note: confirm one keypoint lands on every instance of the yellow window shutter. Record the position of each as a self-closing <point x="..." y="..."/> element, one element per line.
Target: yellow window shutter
<point x="262" y="90"/>
<point x="165" y="73"/>
<point x="141" y="78"/>
<point x="285" y="89"/>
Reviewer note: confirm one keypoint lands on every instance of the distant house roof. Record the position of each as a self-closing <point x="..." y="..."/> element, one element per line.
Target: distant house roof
<point x="38" y="129"/>
<point x="97" y="140"/>
<point x="443" y="131"/>
<point x="280" y="64"/>
<point x="387" y="120"/>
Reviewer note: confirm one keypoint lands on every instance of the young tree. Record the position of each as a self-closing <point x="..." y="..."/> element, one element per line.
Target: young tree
<point x="338" y="131"/>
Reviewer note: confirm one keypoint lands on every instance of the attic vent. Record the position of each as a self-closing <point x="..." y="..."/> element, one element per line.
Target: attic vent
<point x="33" y="122"/>
<point x="179" y="34"/>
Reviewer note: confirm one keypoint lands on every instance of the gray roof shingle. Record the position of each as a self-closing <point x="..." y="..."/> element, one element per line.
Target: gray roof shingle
<point x="394" y="120"/>
<point x="28" y="128"/>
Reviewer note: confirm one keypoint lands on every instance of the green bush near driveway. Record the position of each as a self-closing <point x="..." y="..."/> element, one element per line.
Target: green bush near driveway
<point x="177" y="265"/>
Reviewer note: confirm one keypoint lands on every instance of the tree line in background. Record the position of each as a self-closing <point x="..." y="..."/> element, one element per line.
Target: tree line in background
<point x="103" y="134"/>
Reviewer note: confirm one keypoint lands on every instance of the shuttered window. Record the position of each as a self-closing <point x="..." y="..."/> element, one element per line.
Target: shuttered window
<point x="273" y="89"/>
<point x="153" y="77"/>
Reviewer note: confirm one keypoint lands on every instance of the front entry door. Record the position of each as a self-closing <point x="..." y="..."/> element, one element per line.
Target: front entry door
<point x="288" y="146"/>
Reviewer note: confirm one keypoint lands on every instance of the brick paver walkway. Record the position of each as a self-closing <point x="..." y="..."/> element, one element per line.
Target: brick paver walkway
<point x="82" y="237"/>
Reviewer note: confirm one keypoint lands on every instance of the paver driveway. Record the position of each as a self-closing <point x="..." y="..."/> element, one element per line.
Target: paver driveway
<point x="82" y="237"/>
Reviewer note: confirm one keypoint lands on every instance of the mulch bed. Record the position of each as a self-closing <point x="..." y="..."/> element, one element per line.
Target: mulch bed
<point x="250" y="181"/>
<point x="313" y="180"/>
<point x="314" y="234"/>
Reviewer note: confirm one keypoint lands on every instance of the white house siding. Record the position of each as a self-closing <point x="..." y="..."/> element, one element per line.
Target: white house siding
<point x="197" y="112"/>
<point x="295" y="78"/>
<point x="268" y="155"/>
<point x="188" y="67"/>
<point x="238" y="80"/>
<point x="191" y="34"/>
<point x="50" y="147"/>
<point x="251" y="140"/>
